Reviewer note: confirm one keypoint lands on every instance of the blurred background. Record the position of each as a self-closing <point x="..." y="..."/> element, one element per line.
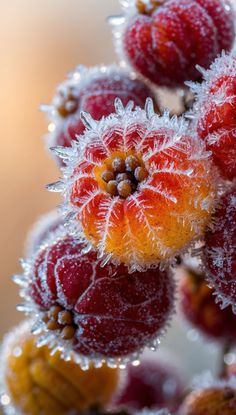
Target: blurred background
<point x="39" y="43"/>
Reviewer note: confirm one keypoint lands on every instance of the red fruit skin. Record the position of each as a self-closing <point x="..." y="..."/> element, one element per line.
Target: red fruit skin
<point x="217" y="124"/>
<point x="97" y="98"/>
<point x="152" y="384"/>
<point x="166" y="46"/>
<point x="116" y="313"/>
<point x="219" y="253"/>
<point x="198" y="306"/>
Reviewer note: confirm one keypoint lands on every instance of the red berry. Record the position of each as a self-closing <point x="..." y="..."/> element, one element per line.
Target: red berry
<point x="215" y="113"/>
<point x="114" y="313"/>
<point x="219" y="254"/>
<point x="95" y="90"/>
<point x="40" y="231"/>
<point x="152" y="384"/>
<point x="198" y="306"/>
<point x="166" y="43"/>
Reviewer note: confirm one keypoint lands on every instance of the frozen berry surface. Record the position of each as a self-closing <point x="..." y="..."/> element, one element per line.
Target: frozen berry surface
<point x="214" y="113"/>
<point x="141" y="188"/>
<point x="96" y="311"/>
<point x="93" y="90"/>
<point x="165" y="40"/>
<point x="153" y="384"/>
<point x="219" y="256"/>
<point x="198" y="306"/>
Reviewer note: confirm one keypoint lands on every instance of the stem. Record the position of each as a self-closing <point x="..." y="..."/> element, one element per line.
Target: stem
<point x="225" y="350"/>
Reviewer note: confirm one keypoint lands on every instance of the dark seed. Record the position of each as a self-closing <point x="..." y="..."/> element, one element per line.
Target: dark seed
<point x="140" y="174"/>
<point x="112" y="188"/>
<point x="68" y="333"/>
<point x="108" y="175"/>
<point x="65" y="318"/>
<point x="131" y="163"/>
<point x="54" y="311"/>
<point x="118" y="165"/>
<point x="124" y="188"/>
<point x="53" y="325"/>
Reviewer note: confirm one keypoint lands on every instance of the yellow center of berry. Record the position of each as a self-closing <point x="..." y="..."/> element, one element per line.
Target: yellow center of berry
<point x="123" y="176"/>
<point x="67" y="102"/>
<point x="57" y="318"/>
<point x="148" y="7"/>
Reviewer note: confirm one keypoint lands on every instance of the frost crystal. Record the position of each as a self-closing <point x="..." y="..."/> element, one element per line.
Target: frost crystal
<point x="163" y="213"/>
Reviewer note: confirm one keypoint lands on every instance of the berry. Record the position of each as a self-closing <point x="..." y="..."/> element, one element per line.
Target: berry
<point x="103" y="311"/>
<point x="93" y="90"/>
<point x="46" y="224"/>
<point x="152" y="384"/>
<point x="211" y="401"/>
<point x="198" y="306"/>
<point x="219" y="253"/>
<point x="151" y="220"/>
<point x="165" y="40"/>
<point x="38" y="383"/>
<point x="215" y="113"/>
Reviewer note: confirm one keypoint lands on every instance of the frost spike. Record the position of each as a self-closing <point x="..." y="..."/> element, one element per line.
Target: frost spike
<point x="62" y="152"/>
<point x="20" y="280"/>
<point x="55" y="187"/>
<point x="119" y="107"/>
<point x="149" y="108"/>
<point x="129" y="106"/>
<point x="116" y="20"/>
<point x="88" y="121"/>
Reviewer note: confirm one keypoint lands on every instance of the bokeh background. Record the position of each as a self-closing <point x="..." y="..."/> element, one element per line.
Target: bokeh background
<point x="40" y="41"/>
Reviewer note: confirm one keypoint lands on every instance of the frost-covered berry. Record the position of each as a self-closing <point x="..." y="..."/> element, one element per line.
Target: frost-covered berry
<point x="164" y="40"/>
<point x="216" y="399"/>
<point x="33" y="382"/>
<point x="198" y="306"/>
<point x="99" y="312"/>
<point x="155" y="383"/>
<point x="46" y="224"/>
<point x="215" y="113"/>
<point x="219" y="254"/>
<point x="161" y="193"/>
<point x="93" y="90"/>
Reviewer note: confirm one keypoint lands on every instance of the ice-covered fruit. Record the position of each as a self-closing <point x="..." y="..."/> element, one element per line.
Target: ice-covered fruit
<point x="219" y="254"/>
<point x="141" y="188"/>
<point x="93" y="90"/>
<point x="164" y="40"/>
<point x="198" y="306"/>
<point x="36" y="383"/>
<point x="215" y="113"/>
<point x="46" y="224"/>
<point x="153" y="384"/>
<point x="215" y="400"/>
<point x="98" y="312"/>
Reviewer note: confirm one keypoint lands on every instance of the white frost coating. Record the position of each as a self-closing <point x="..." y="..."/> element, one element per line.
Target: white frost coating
<point x="206" y="381"/>
<point x="78" y="79"/>
<point x="128" y="118"/>
<point x="46" y="223"/>
<point x="53" y="339"/>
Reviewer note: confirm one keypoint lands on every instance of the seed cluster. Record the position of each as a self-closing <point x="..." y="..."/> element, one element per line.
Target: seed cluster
<point x="67" y="102"/>
<point x="57" y="318"/>
<point x="149" y="8"/>
<point x="124" y="176"/>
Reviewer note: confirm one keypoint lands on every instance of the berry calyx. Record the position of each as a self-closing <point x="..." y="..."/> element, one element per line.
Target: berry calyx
<point x="148" y="8"/>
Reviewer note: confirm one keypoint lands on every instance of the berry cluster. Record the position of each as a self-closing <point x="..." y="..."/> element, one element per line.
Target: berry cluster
<point x="141" y="188"/>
